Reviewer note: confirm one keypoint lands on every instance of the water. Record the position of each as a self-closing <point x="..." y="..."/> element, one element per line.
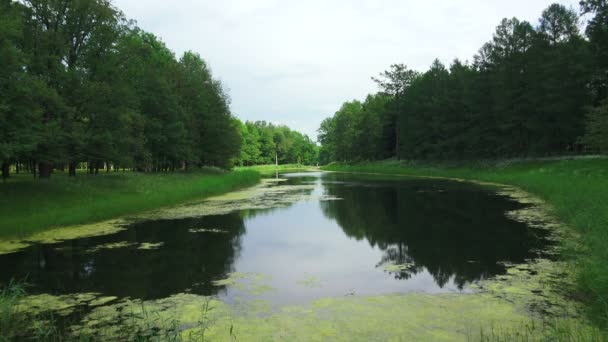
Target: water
<point x="345" y="235"/>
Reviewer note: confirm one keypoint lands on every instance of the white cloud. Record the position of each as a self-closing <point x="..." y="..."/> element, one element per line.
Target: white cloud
<point x="295" y="62"/>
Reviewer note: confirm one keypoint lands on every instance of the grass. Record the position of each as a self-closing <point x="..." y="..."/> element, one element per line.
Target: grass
<point x="28" y="206"/>
<point x="267" y="169"/>
<point x="577" y="189"/>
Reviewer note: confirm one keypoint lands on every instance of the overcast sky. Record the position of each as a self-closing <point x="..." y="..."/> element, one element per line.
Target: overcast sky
<point x="296" y="62"/>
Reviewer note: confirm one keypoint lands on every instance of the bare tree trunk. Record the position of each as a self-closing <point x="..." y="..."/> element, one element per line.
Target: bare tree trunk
<point x="72" y="168"/>
<point x="45" y="169"/>
<point x="17" y="170"/>
<point x="5" y="171"/>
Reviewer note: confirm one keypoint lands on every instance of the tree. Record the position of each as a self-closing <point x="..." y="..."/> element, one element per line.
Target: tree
<point x="596" y="136"/>
<point x="396" y="82"/>
<point x="597" y="32"/>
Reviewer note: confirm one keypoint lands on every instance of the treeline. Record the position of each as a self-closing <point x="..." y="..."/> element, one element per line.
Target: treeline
<point x="530" y="91"/>
<point x="82" y="86"/>
<point x="265" y="143"/>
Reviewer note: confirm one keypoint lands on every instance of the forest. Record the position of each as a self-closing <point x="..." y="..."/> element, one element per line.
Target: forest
<point x="531" y="91"/>
<point x="83" y="87"/>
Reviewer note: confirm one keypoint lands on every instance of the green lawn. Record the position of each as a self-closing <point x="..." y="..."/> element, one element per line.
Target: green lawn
<point x="577" y="189"/>
<point x="28" y="206"/>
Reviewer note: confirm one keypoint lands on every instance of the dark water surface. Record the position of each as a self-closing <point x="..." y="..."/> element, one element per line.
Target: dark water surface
<point x="349" y="235"/>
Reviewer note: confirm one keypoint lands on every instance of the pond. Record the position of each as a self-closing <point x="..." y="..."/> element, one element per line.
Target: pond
<point x="318" y="235"/>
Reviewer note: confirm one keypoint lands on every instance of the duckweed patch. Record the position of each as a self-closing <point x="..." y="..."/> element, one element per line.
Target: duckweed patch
<point x="148" y="246"/>
<point x="208" y="230"/>
<point x="249" y="283"/>
<point x="109" y="246"/>
<point x="310" y="281"/>
<point x="63" y="234"/>
<point x="400" y="317"/>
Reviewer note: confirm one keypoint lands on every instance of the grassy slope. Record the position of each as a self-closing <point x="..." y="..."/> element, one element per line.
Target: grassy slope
<point x="28" y="206"/>
<point x="577" y="190"/>
<point x="271" y="169"/>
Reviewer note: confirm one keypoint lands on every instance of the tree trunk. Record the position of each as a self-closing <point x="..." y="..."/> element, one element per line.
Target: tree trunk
<point x="97" y="167"/>
<point x="17" y="168"/>
<point x="44" y="169"/>
<point x="5" y="171"/>
<point x="33" y="167"/>
<point x="72" y="169"/>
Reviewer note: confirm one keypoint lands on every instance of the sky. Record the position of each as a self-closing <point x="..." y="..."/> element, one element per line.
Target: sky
<point x="295" y="62"/>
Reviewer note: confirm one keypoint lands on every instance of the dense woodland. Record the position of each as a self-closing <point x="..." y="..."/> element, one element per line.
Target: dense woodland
<point x="531" y="91"/>
<point x="265" y="143"/>
<point x="83" y="87"/>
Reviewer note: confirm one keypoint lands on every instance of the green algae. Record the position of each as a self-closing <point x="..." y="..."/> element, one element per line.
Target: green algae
<point x="63" y="234"/>
<point x="267" y="195"/>
<point x="63" y="305"/>
<point x="109" y="246"/>
<point x="208" y="230"/>
<point x="397" y="317"/>
<point x="310" y="281"/>
<point x="249" y="283"/>
<point x="148" y="246"/>
<point x="395" y="268"/>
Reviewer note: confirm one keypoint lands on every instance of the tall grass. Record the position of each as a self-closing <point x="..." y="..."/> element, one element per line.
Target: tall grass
<point x="577" y="189"/>
<point x="28" y="206"/>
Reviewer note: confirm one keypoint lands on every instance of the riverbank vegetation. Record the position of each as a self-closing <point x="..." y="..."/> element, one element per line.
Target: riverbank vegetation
<point x="576" y="189"/>
<point x="28" y="206"/>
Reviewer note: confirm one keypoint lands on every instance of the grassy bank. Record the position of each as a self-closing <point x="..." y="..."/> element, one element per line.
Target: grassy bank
<point x="576" y="189"/>
<point x="267" y="169"/>
<point x="28" y="206"/>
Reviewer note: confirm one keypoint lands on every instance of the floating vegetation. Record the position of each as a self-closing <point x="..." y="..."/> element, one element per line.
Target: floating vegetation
<point x="327" y="198"/>
<point x="310" y="282"/>
<point x="61" y="305"/>
<point x="396" y="268"/>
<point x="249" y="283"/>
<point x="64" y="234"/>
<point x="109" y="246"/>
<point x="147" y="246"/>
<point x="267" y="195"/>
<point x="205" y="230"/>
<point x="412" y="317"/>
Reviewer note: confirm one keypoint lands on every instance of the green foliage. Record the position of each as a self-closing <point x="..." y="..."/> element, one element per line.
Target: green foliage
<point x="596" y="137"/>
<point x="11" y="324"/>
<point x="576" y="189"/>
<point x="524" y="95"/>
<point x="264" y="143"/>
<point x="81" y="84"/>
